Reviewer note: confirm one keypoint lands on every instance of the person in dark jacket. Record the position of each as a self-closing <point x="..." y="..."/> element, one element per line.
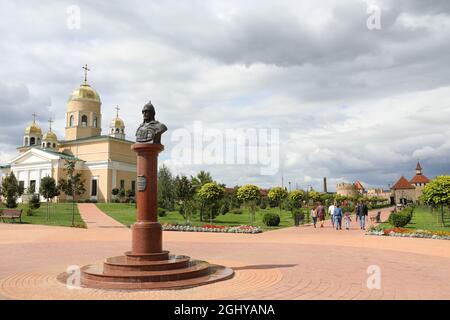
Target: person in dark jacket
<point x="338" y="214"/>
<point x="364" y="212"/>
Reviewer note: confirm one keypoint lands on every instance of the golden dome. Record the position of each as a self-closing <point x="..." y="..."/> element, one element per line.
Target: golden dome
<point x="85" y="91"/>
<point x="33" y="129"/>
<point x="117" y="123"/>
<point x="50" y="136"/>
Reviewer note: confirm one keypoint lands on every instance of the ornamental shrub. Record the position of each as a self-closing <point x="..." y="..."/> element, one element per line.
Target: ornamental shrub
<point x="35" y="202"/>
<point x="400" y="219"/>
<point x="271" y="219"/>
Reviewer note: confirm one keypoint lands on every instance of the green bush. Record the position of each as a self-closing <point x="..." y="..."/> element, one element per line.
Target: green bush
<point x="162" y="212"/>
<point x="236" y="211"/>
<point x="263" y="205"/>
<point x="29" y="212"/>
<point x="35" y="202"/>
<point x="401" y="219"/>
<point x="271" y="219"/>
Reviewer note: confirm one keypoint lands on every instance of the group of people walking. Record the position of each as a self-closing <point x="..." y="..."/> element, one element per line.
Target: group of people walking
<point x="337" y="215"/>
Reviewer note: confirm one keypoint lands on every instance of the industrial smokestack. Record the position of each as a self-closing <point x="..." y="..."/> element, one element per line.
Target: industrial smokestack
<point x="325" y="189"/>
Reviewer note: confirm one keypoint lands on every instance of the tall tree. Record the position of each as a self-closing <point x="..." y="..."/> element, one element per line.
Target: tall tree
<point x="166" y="194"/>
<point x="202" y="178"/>
<point x="210" y="194"/>
<point x="437" y="194"/>
<point x="249" y="194"/>
<point x="72" y="186"/>
<point x="48" y="190"/>
<point x="184" y="194"/>
<point x="277" y="195"/>
<point x="11" y="190"/>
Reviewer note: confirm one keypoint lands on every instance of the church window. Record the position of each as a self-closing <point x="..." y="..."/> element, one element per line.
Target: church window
<point x="49" y="145"/>
<point x="32" y="141"/>
<point x="94" y="185"/>
<point x="95" y="122"/>
<point x="22" y="185"/>
<point x="26" y="141"/>
<point x="84" y="121"/>
<point x="71" y="121"/>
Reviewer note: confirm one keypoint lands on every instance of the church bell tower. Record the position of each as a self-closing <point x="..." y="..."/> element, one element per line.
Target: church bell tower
<point x="83" y="117"/>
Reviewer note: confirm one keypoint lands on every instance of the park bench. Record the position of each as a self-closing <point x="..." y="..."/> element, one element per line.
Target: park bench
<point x="376" y="218"/>
<point x="12" y="214"/>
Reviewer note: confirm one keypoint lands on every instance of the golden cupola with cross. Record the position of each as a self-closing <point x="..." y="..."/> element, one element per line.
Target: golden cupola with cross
<point x="83" y="118"/>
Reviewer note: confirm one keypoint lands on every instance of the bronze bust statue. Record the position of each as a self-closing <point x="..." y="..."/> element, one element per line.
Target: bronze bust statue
<point x="150" y="130"/>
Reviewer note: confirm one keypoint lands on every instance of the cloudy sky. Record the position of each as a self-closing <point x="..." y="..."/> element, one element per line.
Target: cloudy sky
<point x="349" y="102"/>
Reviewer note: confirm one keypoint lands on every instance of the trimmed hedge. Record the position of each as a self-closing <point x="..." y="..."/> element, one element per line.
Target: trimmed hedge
<point x="401" y="218"/>
<point x="271" y="219"/>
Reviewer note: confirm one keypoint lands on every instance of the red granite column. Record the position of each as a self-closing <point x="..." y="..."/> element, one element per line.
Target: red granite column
<point x="147" y="231"/>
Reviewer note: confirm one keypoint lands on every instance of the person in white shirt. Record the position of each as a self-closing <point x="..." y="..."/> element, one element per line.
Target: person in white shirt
<point x="331" y="213"/>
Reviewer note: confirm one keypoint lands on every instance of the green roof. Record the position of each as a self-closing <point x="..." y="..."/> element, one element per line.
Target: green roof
<point x="62" y="155"/>
<point x="103" y="137"/>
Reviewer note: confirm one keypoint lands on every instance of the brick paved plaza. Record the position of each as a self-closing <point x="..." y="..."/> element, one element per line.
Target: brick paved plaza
<point x="292" y="263"/>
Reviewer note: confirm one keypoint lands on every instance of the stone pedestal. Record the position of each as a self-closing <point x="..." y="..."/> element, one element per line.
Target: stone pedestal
<point x="147" y="265"/>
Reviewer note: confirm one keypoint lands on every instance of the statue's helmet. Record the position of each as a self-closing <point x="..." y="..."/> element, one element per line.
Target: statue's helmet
<point x="149" y="107"/>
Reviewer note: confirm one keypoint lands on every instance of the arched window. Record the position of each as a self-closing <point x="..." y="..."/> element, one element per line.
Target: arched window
<point x="32" y="141"/>
<point x="26" y="141"/>
<point x="71" y="121"/>
<point x="54" y="145"/>
<point x="95" y="122"/>
<point x="43" y="144"/>
<point x="49" y="145"/>
<point x="117" y="130"/>
<point x="84" y="121"/>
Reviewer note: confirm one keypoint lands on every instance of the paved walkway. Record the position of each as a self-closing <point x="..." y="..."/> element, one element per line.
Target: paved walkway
<point x="95" y="218"/>
<point x="291" y="263"/>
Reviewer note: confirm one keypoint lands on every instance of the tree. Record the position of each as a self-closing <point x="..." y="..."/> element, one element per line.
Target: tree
<point x="72" y="186"/>
<point x="48" y="190"/>
<point x="277" y="195"/>
<point x="184" y="194"/>
<point x="11" y="190"/>
<point x="202" y="178"/>
<point x="437" y="194"/>
<point x="314" y="196"/>
<point x="166" y="194"/>
<point x="210" y="194"/>
<point x="249" y="194"/>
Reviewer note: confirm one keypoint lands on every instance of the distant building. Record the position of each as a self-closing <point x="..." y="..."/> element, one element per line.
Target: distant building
<point x="347" y="190"/>
<point x="410" y="190"/>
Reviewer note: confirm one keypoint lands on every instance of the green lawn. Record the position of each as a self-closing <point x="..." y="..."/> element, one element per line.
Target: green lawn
<point x="126" y="214"/>
<point x="60" y="215"/>
<point x="424" y="219"/>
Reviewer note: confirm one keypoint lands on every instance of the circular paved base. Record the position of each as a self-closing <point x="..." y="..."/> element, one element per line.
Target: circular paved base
<point x="32" y="285"/>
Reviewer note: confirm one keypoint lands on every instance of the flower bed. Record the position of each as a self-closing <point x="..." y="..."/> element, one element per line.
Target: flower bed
<point x="402" y="232"/>
<point x="211" y="228"/>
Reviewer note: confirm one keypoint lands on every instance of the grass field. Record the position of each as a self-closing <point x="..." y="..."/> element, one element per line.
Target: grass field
<point x="126" y="214"/>
<point x="424" y="219"/>
<point x="60" y="215"/>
